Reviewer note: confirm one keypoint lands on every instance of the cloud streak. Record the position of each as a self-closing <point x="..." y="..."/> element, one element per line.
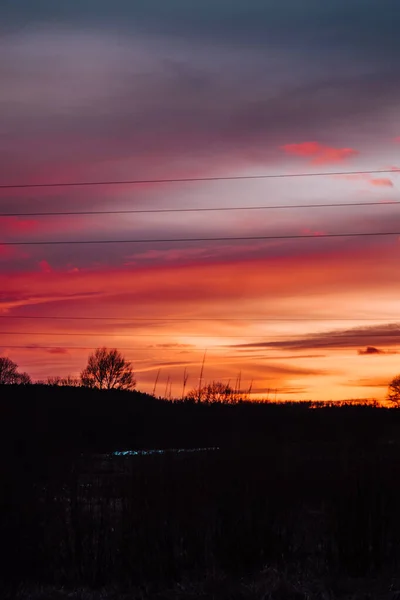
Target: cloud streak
<point x="320" y="154"/>
<point x="370" y="350"/>
<point x="387" y="334"/>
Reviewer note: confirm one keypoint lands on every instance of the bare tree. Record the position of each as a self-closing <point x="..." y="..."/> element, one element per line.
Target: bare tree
<point x="69" y="381"/>
<point x="214" y="392"/>
<point x="394" y="390"/>
<point x="9" y="373"/>
<point x="23" y="379"/>
<point x="108" y="369"/>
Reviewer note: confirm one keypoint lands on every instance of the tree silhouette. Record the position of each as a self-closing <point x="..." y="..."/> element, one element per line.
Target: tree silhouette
<point x="68" y="381"/>
<point x="214" y="392"/>
<point x="394" y="390"/>
<point x="9" y="373"/>
<point x="108" y="369"/>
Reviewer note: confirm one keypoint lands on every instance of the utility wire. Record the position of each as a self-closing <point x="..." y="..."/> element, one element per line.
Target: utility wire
<point x="33" y="347"/>
<point x="335" y="335"/>
<point x="212" y="239"/>
<point x="195" y="210"/>
<point x="63" y="347"/>
<point x="198" y="319"/>
<point x="190" y="179"/>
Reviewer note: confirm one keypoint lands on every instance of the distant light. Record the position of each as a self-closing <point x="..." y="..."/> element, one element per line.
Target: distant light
<point x="157" y="451"/>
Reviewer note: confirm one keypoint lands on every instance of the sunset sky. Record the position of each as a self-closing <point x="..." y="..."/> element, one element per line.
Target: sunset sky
<point x="101" y="90"/>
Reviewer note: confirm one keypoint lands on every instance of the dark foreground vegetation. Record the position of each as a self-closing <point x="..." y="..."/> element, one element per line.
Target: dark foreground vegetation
<point x="298" y="502"/>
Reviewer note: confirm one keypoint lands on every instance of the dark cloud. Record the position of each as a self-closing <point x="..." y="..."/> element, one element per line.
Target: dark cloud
<point x="271" y="369"/>
<point x="209" y="105"/>
<point x="173" y="363"/>
<point x="270" y="392"/>
<point x="373" y="382"/>
<point x="57" y="350"/>
<point x="91" y="93"/>
<point x="348" y="338"/>
<point x="183" y="90"/>
<point x="371" y="350"/>
<point x="344" y="23"/>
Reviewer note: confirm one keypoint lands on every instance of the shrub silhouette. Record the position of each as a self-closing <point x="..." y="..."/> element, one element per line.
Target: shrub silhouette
<point x="214" y="392"/>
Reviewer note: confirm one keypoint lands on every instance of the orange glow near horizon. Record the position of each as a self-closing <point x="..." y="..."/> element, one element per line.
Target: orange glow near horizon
<point x="291" y="326"/>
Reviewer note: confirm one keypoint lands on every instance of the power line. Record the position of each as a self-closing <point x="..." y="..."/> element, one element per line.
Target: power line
<point x="195" y="210"/>
<point x="33" y="347"/>
<point x="212" y="239"/>
<point x="63" y="347"/>
<point x="190" y="179"/>
<point x="198" y="319"/>
<point x="58" y="347"/>
<point x="311" y="337"/>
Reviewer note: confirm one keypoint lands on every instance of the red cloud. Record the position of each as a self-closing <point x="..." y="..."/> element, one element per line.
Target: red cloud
<point x="312" y="232"/>
<point x="8" y="252"/>
<point x="383" y="182"/>
<point x="57" y="350"/>
<point x="17" y="225"/>
<point x="45" y="267"/>
<point x="4" y="250"/>
<point x="319" y="153"/>
<point x="24" y="226"/>
<point x="377" y="182"/>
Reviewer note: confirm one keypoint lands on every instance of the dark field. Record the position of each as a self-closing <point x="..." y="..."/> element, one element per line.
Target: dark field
<point x="297" y="503"/>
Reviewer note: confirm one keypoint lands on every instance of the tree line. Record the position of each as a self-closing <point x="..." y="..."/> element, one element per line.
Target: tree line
<point x="107" y="369"/>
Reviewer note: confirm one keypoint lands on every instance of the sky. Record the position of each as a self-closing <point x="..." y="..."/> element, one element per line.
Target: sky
<point x="151" y="90"/>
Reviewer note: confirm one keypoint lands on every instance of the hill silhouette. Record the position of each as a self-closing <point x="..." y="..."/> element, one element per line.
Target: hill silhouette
<point x="290" y="485"/>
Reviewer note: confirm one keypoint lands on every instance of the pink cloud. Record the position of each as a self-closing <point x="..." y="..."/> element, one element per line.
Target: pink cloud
<point x="45" y="267"/>
<point x="391" y="168"/>
<point x="311" y="232"/>
<point x="16" y="225"/>
<point x="383" y="182"/>
<point x="319" y="153"/>
<point x="10" y="226"/>
<point x="5" y="251"/>
<point x="347" y="268"/>
<point x="376" y="182"/>
<point x="9" y="252"/>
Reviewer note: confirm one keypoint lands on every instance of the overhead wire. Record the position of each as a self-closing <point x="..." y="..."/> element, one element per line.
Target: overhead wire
<point x="58" y="347"/>
<point x="334" y="335"/>
<point x="178" y="240"/>
<point x="197" y="319"/>
<point x="314" y="236"/>
<point x="14" y="186"/>
<point x="197" y="209"/>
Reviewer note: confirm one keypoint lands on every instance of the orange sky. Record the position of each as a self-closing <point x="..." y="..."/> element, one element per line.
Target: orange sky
<point x="293" y="319"/>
